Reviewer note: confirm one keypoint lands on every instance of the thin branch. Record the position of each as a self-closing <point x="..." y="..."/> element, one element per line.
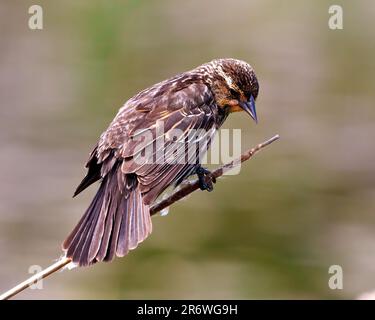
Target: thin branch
<point x="165" y="203"/>
<point x="35" y="278"/>
<point x="194" y="185"/>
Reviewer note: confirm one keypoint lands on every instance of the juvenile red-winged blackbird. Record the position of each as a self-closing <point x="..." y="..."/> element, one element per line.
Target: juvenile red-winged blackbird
<point x="118" y="218"/>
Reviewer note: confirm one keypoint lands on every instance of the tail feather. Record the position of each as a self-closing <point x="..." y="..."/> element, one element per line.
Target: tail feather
<point x="116" y="221"/>
<point x="72" y="240"/>
<point x="112" y="249"/>
<point x="125" y="232"/>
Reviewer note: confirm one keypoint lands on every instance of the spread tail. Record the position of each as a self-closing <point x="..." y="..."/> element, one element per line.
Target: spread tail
<point x="116" y="221"/>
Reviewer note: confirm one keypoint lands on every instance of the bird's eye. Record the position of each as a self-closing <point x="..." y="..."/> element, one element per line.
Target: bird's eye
<point x="233" y="92"/>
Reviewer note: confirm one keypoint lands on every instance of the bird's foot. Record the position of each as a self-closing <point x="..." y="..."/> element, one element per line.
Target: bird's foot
<point x="205" y="179"/>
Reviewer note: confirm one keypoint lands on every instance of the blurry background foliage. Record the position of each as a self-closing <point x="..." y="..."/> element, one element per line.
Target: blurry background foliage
<point x="305" y="203"/>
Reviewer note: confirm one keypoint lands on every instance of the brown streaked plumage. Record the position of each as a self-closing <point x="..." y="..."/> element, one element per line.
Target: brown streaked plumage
<point x="118" y="218"/>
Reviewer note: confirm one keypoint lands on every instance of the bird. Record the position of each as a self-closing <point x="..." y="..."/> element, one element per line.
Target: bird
<point x="118" y="218"/>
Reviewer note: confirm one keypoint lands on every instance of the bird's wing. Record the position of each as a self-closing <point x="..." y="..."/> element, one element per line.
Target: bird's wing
<point x="163" y="112"/>
<point x="174" y="130"/>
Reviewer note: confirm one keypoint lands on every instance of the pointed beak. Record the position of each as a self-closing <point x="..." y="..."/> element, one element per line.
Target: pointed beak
<point x="249" y="107"/>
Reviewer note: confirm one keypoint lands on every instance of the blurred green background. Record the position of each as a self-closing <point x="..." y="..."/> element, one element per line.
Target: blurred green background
<point x="302" y="205"/>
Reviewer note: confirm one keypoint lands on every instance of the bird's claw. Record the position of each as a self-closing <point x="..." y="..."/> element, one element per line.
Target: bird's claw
<point x="205" y="179"/>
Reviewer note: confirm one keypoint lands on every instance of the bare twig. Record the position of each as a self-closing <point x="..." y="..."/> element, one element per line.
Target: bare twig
<point x="194" y="185"/>
<point x="35" y="278"/>
<point x="165" y="203"/>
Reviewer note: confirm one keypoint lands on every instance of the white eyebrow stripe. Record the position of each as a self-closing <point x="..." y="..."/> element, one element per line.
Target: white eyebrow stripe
<point x="227" y="78"/>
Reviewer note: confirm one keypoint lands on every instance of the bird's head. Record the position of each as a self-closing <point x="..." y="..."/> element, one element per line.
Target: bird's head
<point x="235" y="86"/>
